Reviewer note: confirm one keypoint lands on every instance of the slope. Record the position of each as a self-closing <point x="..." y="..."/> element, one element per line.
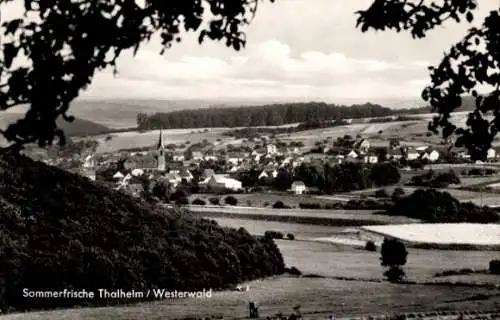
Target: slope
<point x="61" y="231"/>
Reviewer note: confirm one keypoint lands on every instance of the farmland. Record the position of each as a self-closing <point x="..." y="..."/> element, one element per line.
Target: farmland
<point x="328" y="217"/>
<point x="443" y="233"/>
<point x="319" y="297"/>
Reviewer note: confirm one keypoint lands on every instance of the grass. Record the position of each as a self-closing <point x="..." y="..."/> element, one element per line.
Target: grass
<point x="443" y="233"/>
<point x="262" y="200"/>
<point x="318" y="297"/>
<point x="306" y="216"/>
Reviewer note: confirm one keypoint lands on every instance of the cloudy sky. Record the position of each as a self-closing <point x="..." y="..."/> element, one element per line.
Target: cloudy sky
<point x="296" y="50"/>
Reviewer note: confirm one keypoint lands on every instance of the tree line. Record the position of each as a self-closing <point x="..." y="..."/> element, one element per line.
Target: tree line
<point x="266" y="115"/>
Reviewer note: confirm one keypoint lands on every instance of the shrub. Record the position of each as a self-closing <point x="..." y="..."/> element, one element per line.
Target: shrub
<point x="393" y="255"/>
<point x="381" y="193"/>
<point x="293" y="271"/>
<point x="290" y="236"/>
<point x="495" y="266"/>
<point x="273" y="234"/>
<point x="214" y="201"/>
<point x="279" y="205"/>
<point x="397" y="193"/>
<point x="370" y="246"/>
<point x="230" y="200"/>
<point x="199" y="202"/>
<point x="182" y="201"/>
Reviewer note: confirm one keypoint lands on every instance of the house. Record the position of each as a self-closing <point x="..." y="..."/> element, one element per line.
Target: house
<point x="271" y="149"/>
<point x="137" y="172"/>
<point x="298" y="187"/>
<point x="197" y="156"/>
<point x="185" y="174"/>
<point x="234" y="169"/>
<point x="370" y="158"/>
<point x="118" y="175"/>
<point x="270" y="173"/>
<point x="220" y="181"/>
<point x="210" y="157"/>
<point x="421" y="148"/>
<point x="432" y="156"/>
<point x="491" y="154"/>
<point x="412" y="155"/>
<point x="362" y="145"/>
<point x="89" y="162"/>
<point x="178" y="157"/>
<point x="207" y="173"/>
<point x="173" y="178"/>
<point x="352" y="155"/>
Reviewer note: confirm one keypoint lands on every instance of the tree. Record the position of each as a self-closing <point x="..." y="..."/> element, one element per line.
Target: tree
<point x="66" y="46"/>
<point x="393" y="255"/>
<point x="230" y="200"/>
<point x="464" y="69"/>
<point x="161" y="190"/>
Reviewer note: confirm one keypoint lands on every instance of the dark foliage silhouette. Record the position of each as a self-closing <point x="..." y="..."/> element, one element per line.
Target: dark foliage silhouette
<point x="440" y="207"/>
<point x="393" y="255"/>
<point x="463" y="69"/>
<point x="100" y="238"/>
<point x="73" y="40"/>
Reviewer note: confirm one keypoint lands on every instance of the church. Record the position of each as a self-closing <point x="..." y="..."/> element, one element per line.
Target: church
<point x="151" y="161"/>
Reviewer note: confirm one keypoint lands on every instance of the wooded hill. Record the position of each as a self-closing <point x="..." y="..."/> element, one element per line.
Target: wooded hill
<point x="62" y="231"/>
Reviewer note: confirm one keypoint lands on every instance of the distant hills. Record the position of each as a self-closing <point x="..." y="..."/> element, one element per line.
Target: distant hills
<point x="95" y="117"/>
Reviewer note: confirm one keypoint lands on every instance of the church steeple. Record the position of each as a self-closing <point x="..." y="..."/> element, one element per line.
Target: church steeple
<point x="160" y="145"/>
<point x="160" y="157"/>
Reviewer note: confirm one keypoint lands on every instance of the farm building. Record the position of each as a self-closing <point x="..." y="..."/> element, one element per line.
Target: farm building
<point x="298" y="187"/>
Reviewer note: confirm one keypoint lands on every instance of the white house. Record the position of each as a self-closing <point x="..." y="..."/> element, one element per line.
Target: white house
<point x="197" y="156"/>
<point x="352" y="155"/>
<point x="433" y="156"/>
<point x="118" y="175"/>
<point x="298" y="187"/>
<point x="178" y="157"/>
<point x="89" y="162"/>
<point x="268" y="174"/>
<point x="491" y="154"/>
<point x="137" y="172"/>
<point x="363" y="146"/>
<point x="412" y="155"/>
<point x="222" y="181"/>
<point x="370" y="158"/>
<point x="271" y="149"/>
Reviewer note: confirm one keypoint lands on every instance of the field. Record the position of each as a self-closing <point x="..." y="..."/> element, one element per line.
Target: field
<point x="307" y="216"/>
<point x="443" y="233"/>
<point x="318" y="297"/>
<point x="260" y="200"/>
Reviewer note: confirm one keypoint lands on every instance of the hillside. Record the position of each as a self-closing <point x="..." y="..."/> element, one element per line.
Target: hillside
<point x="79" y="127"/>
<point x="62" y="231"/>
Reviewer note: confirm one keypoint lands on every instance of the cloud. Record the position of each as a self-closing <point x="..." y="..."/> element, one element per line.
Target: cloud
<point x="269" y="69"/>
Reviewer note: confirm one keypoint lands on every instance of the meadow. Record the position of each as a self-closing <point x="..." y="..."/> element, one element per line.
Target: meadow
<point x="442" y="233"/>
<point x="311" y="216"/>
<point x="318" y="297"/>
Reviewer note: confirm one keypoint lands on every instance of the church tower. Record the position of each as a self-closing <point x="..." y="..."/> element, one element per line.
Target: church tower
<point x="160" y="157"/>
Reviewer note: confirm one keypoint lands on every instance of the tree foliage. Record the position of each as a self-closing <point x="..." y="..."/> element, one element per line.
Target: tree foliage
<point x="66" y="42"/>
<point x="62" y="231"/>
<point x="471" y="64"/>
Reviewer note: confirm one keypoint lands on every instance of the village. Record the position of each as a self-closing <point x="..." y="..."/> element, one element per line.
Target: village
<point x="216" y="167"/>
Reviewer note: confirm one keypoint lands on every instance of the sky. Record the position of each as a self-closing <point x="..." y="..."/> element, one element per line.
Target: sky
<point x="297" y="50"/>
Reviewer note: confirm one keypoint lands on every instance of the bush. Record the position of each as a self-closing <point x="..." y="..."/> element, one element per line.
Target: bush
<point x="214" y="201"/>
<point x="393" y="255"/>
<point x="397" y="193"/>
<point x="370" y="246"/>
<point x="107" y="239"/>
<point x="293" y="271"/>
<point x="290" y="236"/>
<point x="440" y="207"/>
<point x="495" y="266"/>
<point x="199" y="202"/>
<point x="280" y="205"/>
<point x="381" y="193"/>
<point x="230" y="200"/>
<point x="182" y="201"/>
<point x="273" y="235"/>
